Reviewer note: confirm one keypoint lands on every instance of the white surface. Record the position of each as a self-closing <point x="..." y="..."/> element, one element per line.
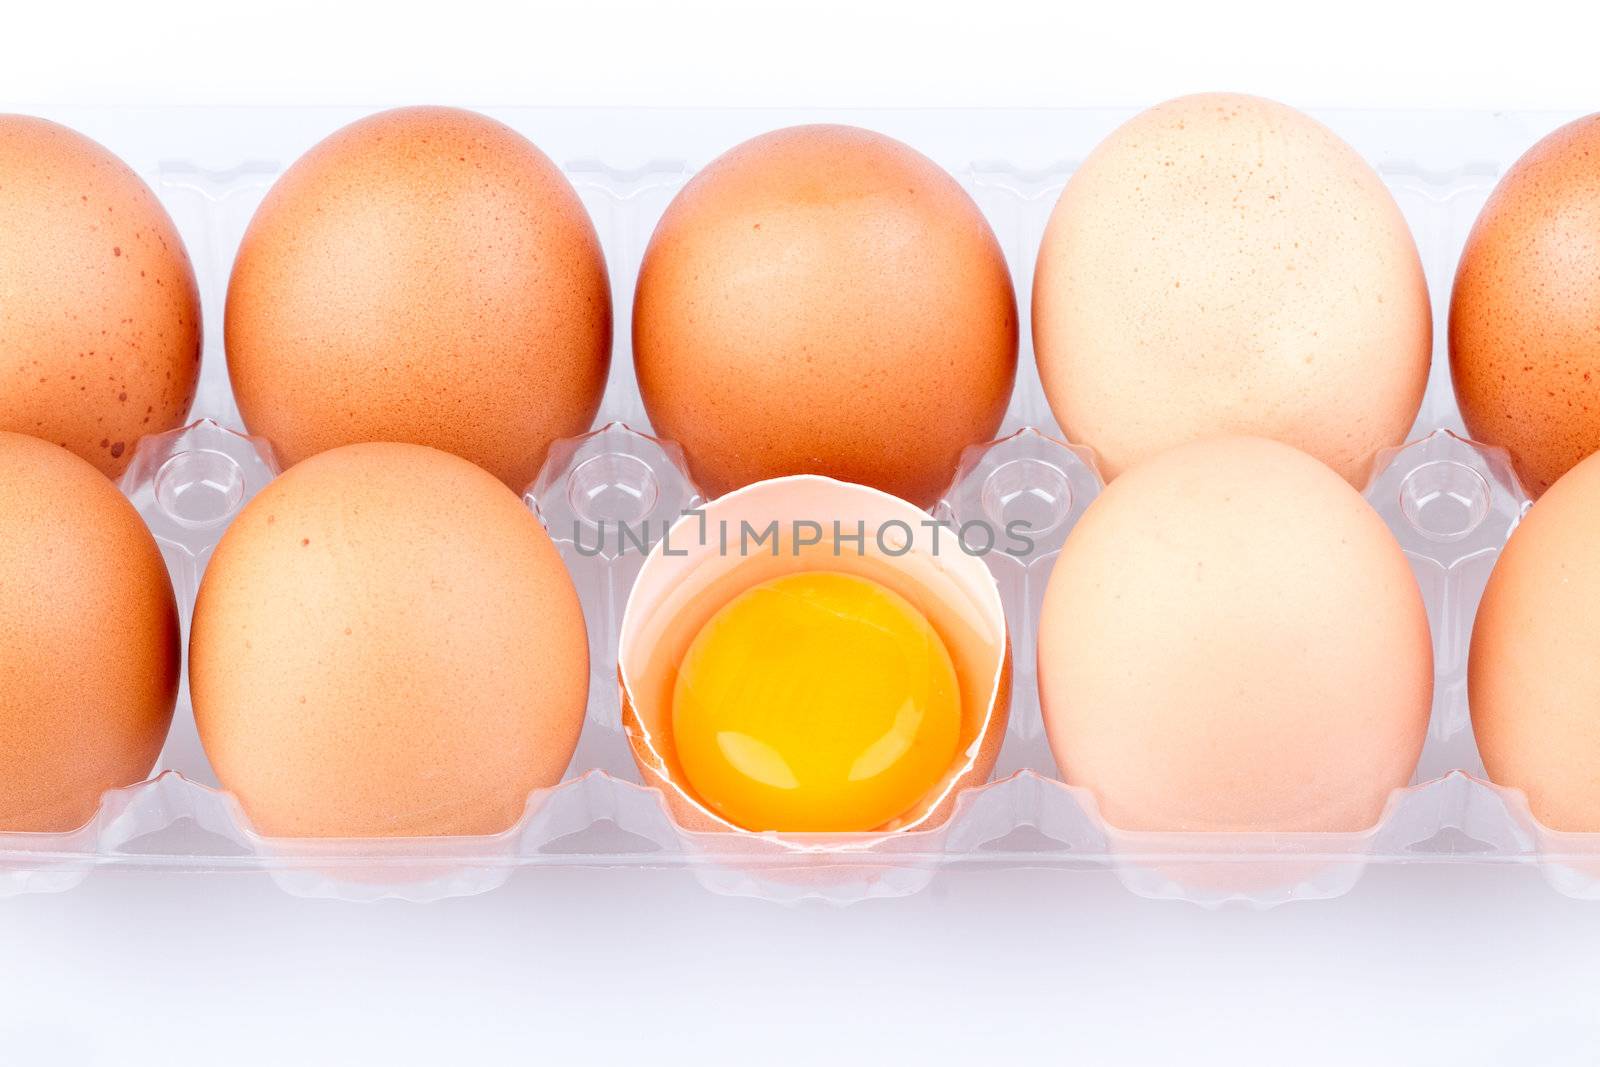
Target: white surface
<point x="1416" y="965"/>
<point x="1468" y="966"/>
<point x="1532" y="54"/>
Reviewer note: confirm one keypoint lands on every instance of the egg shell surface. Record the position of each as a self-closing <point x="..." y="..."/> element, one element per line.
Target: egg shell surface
<point x="99" y="312"/>
<point x="1224" y="264"/>
<point x="825" y="300"/>
<point x="386" y="643"/>
<point x="89" y="641"/>
<point x="1525" y="310"/>
<point x="1231" y="640"/>
<point x="423" y="275"/>
<point x="1533" y="675"/>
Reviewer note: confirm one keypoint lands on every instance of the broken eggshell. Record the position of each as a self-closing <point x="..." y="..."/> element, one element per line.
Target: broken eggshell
<point x="805" y="523"/>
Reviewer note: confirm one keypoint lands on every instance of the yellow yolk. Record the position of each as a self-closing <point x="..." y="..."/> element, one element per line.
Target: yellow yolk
<point x="817" y="701"/>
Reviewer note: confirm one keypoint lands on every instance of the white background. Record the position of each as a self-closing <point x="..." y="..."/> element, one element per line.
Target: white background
<point x="1417" y="965"/>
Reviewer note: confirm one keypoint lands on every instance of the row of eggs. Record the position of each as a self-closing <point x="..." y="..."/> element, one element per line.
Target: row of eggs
<point x="386" y="641"/>
<point x="817" y="300"/>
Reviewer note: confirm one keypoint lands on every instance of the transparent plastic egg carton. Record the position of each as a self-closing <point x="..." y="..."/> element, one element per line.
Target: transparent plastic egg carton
<point x="1450" y="503"/>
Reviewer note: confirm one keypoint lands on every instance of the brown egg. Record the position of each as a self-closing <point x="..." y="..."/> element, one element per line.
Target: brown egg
<point x="1232" y="640"/>
<point x="825" y="300"/>
<point x="1525" y="312"/>
<point x="386" y="643"/>
<point x="423" y="275"/>
<point x="89" y="645"/>
<point x="1533" y="676"/>
<point x="1223" y="264"/>
<point x="99" y="313"/>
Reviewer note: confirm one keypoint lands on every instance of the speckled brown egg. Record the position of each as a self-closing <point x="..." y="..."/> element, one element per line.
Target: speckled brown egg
<point x="1231" y="640"/>
<point x="1525" y="312"/>
<point x="423" y="275"/>
<point x="89" y="645"/>
<point x="1533" y="675"/>
<point x="386" y="643"/>
<point x="1223" y="264"/>
<point x="825" y="300"/>
<point x="99" y="313"/>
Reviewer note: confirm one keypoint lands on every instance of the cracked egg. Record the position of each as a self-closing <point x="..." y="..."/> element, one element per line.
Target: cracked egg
<point x="805" y="656"/>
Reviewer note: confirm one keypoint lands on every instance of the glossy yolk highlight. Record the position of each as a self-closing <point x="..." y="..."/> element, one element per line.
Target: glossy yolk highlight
<point x="817" y="701"/>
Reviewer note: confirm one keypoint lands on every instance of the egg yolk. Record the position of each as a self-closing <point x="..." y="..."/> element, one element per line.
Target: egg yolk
<point x="817" y="701"/>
